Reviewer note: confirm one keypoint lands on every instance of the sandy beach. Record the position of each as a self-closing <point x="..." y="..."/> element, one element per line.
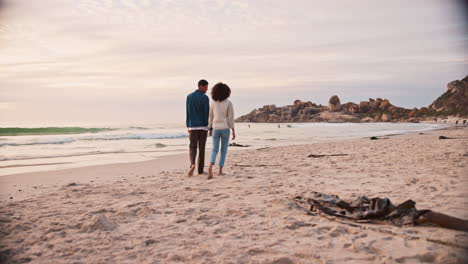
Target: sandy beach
<point x="150" y="212"/>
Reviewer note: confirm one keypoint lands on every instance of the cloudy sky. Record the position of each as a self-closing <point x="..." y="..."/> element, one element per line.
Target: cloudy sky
<point x="134" y="61"/>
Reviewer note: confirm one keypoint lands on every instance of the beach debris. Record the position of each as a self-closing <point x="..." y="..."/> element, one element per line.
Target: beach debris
<point x="159" y="145"/>
<point x="376" y="138"/>
<point x="150" y="242"/>
<point x="71" y="184"/>
<point x="263" y="148"/>
<point x="325" y="155"/>
<point x="376" y="210"/>
<point x="99" y="223"/>
<point x="234" y="144"/>
<point x="444" y="137"/>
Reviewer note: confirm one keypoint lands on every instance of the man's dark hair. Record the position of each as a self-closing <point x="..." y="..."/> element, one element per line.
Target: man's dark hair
<point x="202" y="83"/>
<point x="220" y="92"/>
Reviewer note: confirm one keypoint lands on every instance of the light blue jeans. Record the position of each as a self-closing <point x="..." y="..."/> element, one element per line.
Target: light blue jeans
<point x="223" y="136"/>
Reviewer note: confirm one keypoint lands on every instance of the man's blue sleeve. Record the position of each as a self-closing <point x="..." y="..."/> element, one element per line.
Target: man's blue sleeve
<point x="187" y="112"/>
<point x="207" y="108"/>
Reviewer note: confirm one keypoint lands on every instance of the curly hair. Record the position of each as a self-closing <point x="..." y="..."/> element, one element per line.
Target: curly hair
<point x="220" y="92"/>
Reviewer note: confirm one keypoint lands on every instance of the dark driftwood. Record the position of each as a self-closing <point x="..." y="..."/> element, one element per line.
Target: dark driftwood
<point x="377" y="210"/>
<point x="325" y="155"/>
<point x="376" y="138"/>
<point x="234" y="144"/>
<point x="444" y="137"/>
<point x="443" y="220"/>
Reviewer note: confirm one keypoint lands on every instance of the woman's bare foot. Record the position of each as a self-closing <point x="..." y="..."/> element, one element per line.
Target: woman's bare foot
<point x="220" y="172"/>
<point x="210" y="172"/>
<point x="191" y="170"/>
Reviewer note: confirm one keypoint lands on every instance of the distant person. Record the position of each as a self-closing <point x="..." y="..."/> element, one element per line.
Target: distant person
<point x="198" y="108"/>
<point x="221" y="122"/>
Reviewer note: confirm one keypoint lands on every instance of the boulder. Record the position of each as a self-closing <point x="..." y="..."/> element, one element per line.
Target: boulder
<point x="334" y="104"/>
<point x="377" y="118"/>
<point x="395" y="116"/>
<point x="367" y="119"/>
<point x="386" y="117"/>
<point x="346" y="108"/>
<point x="364" y="107"/>
<point x="374" y="105"/>
<point x="354" y="109"/>
<point x="295" y="109"/>
<point x="411" y="114"/>
<point x="384" y="104"/>
<point x="297" y="102"/>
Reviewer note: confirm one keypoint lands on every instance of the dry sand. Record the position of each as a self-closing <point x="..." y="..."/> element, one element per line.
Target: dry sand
<point x="149" y="212"/>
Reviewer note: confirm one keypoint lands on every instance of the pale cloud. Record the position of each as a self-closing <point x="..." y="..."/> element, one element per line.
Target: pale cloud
<point x="151" y="53"/>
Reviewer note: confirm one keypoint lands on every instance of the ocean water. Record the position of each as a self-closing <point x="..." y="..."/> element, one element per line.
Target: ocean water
<point x="75" y="147"/>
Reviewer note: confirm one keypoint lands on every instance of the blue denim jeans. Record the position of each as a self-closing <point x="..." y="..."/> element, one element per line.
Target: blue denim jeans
<point x="223" y="136"/>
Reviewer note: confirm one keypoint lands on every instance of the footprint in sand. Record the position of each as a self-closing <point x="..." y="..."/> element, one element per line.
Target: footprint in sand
<point x="419" y="258"/>
<point x="338" y="231"/>
<point x="322" y="230"/>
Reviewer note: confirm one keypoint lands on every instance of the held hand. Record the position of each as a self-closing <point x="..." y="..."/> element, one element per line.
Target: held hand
<point x="210" y="132"/>
<point x="233" y="136"/>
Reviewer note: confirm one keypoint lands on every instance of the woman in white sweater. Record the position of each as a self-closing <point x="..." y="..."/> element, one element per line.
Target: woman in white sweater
<point x="220" y="124"/>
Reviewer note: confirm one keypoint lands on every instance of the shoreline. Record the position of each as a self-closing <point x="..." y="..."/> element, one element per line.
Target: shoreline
<point x="114" y="157"/>
<point x="17" y="185"/>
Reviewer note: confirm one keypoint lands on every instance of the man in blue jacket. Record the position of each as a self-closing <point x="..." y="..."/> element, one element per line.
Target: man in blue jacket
<point x="198" y="109"/>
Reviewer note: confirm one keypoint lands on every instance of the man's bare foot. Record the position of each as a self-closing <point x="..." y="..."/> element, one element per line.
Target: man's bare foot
<point x="210" y="173"/>
<point x="191" y="170"/>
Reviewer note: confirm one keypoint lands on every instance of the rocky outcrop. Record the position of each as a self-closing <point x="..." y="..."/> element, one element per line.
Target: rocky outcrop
<point x="297" y="112"/>
<point x="334" y="104"/>
<point x="454" y="101"/>
<point x="378" y="110"/>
